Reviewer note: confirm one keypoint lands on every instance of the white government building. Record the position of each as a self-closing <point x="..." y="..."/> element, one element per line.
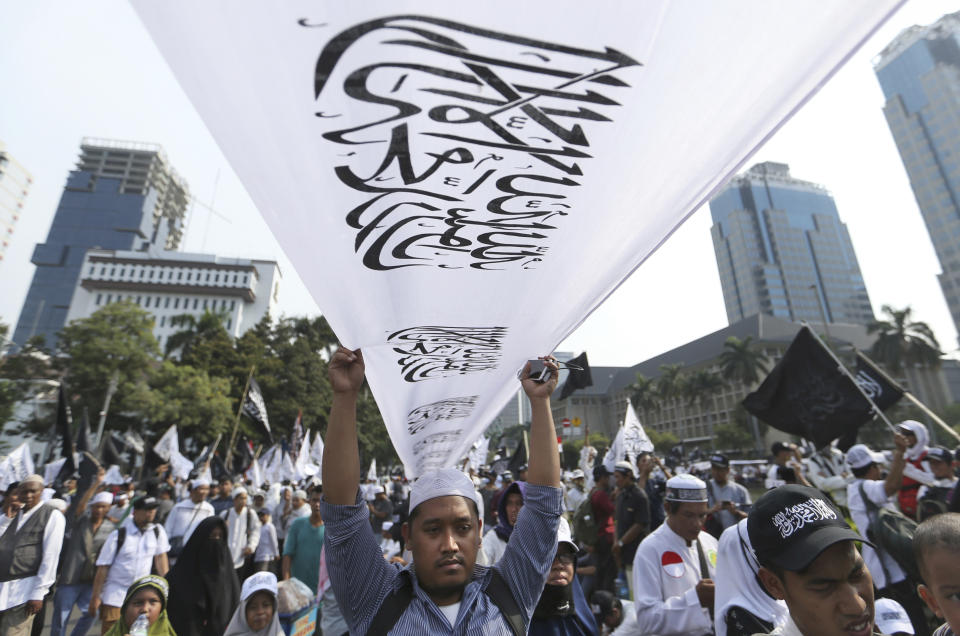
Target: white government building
<point x="169" y="284"/>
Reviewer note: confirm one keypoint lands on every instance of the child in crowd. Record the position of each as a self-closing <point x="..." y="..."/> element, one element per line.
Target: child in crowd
<point x="268" y="550"/>
<point x="936" y="547"/>
<point x="257" y="613"/>
<point x="147" y="595"/>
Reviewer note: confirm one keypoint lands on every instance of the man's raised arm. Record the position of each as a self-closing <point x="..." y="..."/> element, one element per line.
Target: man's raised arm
<point x="544" y="468"/>
<point x="341" y="454"/>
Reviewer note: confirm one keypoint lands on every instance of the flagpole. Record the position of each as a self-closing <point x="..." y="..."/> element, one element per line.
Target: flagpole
<point x="236" y="423"/>
<point x="845" y="371"/>
<point x="910" y="396"/>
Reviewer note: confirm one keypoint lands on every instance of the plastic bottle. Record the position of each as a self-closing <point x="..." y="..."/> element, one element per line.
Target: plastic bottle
<point x="140" y="626"/>
<point x="623" y="588"/>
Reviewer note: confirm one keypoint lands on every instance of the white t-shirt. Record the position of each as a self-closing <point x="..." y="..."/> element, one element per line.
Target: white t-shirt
<point x="134" y="560"/>
<point x="875" y="490"/>
<point x="450" y="611"/>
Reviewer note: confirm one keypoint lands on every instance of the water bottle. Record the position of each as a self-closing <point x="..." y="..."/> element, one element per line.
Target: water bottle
<point x="622" y="587"/>
<point x="140" y="626"/>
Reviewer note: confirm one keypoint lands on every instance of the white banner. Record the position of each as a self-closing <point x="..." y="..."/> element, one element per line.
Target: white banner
<point x="631" y="440"/>
<point x="477" y="456"/>
<point x="16" y="466"/>
<point x="51" y="470"/>
<point x="168" y="444"/>
<point x="460" y="184"/>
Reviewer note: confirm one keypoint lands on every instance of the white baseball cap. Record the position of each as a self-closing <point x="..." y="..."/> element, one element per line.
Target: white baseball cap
<point x="890" y="617"/>
<point x="257" y="582"/>
<point x="859" y="456"/>
<point x="577" y="474"/>
<point x="442" y="483"/>
<point x="386" y="526"/>
<point x="564" y="535"/>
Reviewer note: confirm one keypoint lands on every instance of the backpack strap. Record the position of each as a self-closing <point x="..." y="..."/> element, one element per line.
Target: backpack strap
<point x="499" y="593"/>
<point x="121" y="537"/>
<point x="392" y="608"/>
<point x="396" y="603"/>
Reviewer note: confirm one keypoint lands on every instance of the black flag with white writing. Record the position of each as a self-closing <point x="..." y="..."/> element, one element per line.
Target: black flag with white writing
<point x="255" y="408"/>
<point x="807" y="394"/>
<point x="879" y="387"/>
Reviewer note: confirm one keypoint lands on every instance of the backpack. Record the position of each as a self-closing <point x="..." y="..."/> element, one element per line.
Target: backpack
<point x="585" y="528"/>
<point x="935" y="501"/>
<point x="892" y="532"/>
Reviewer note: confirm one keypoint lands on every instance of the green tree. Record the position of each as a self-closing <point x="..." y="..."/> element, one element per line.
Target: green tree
<point x="701" y="387"/>
<point x="643" y="393"/>
<point x="199" y="405"/>
<point x="115" y="341"/>
<point x="731" y="436"/>
<point x="670" y="384"/>
<point x="902" y="341"/>
<point x="663" y="442"/>
<point x="741" y="361"/>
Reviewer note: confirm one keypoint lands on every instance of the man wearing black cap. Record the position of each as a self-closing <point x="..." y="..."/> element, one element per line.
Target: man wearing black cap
<point x="726" y="498"/>
<point x="632" y="518"/>
<point x="808" y="558"/>
<point x="127" y="555"/>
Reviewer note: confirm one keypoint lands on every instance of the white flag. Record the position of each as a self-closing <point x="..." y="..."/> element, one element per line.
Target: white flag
<point x="113" y="476"/>
<point x="168" y="444"/>
<point x="180" y="466"/>
<point x="462" y="162"/>
<point x="372" y="473"/>
<point x="51" y="470"/>
<point x="635" y="439"/>
<point x="16" y="466"/>
<point x="303" y="466"/>
<point x="253" y="473"/>
<point x="587" y="456"/>
<point x="316" y="450"/>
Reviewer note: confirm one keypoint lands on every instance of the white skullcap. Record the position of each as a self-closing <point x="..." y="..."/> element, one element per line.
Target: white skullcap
<point x="300" y="494"/>
<point x="257" y="582"/>
<point x="387" y="525"/>
<point x="442" y="483"/>
<point x="37" y="479"/>
<point x="198" y="482"/>
<point x="577" y="474"/>
<point x="379" y="490"/>
<point x="686" y="488"/>
<point x="239" y="490"/>
<point x="102" y="498"/>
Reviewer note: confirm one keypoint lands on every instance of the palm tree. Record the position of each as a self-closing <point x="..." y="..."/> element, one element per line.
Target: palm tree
<point x="643" y="393"/>
<point x="740" y="361"/>
<point x="194" y="330"/>
<point x="902" y="342"/>
<point x="701" y="385"/>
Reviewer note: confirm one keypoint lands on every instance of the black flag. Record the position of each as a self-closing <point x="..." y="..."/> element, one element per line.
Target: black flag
<point x="64" y="426"/>
<point x="110" y="455"/>
<point x="83" y="435"/>
<point x="242" y="457"/>
<point x="807" y="394"/>
<point x="519" y="458"/>
<point x="578" y="378"/>
<point x="255" y="408"/>
<point x="878" y="386"/>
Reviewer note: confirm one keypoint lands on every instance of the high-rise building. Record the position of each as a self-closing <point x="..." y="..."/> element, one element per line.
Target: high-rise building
<point x="121" y="196"/>
<point x="169" y="284"/>
<point x="14" y="184"/>
<point x="782" y="250"/>
<point x="919" y="73"/>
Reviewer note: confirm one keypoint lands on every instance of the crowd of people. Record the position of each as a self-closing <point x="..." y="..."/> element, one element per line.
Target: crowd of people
<point x="640" y="546"/>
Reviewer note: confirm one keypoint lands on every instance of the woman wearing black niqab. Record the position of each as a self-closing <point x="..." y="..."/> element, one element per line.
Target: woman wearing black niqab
<point x="204" y="589"/>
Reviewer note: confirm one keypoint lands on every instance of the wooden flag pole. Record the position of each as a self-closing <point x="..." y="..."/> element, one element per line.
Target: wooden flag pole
<point x="236" y="423"/>
<point x="933" y="416"/>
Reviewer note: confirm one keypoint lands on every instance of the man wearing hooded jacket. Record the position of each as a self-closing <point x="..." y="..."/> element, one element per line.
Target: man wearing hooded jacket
<point x="495" y="541"/>
<point x="917" y="471"/>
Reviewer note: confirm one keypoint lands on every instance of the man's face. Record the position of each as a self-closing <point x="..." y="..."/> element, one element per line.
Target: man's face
<point x="297" y="502"/>
<point x="143" y="517"/>
<point x="614" y="618"/>
<point x="620" y="479"/>
<point x="240" y="502"/>
<point x="578" y="482"/>
<point x="833" y="597"/>
<point x="720" y="474"/>
<point x="226" y="488"/>
<point x="444" y="538"/>
<point x="783" y="455"/>
<point x="98" y="511"/>
<point x="30" y="494"/>
<point x="687" y="518"/>
<point x="316" y="499"/>
<point x="199" y="493"/>
<point x="941" y="470"/>
<point x="513" y="506"/>
<point x="644" y="464"/>
<point x="70" y="485"/>
<point x="942" y="590"/>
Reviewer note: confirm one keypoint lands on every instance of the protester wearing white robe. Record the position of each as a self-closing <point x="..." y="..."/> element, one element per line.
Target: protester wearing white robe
<point x="243" y="529"/>
<point x="666" y="571"/>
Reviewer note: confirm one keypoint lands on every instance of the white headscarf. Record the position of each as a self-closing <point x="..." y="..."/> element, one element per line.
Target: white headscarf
<point x="923" y="438"/>
<point x="736" y="581"/>
<point x="261" y="581"/>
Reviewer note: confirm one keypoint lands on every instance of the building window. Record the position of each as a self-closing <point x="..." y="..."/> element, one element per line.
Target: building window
<point x="228" y="324"/>
<point x="109" y="298"/>
<point x="142" y="272"/>
<point x="233" y="304"/>
<point x="157" y="304"/>
<point x="103" y="271"/>
<point x="189" y="275"/>
<point x="216" y="278"/>
<point x="196" y="301"/>
<point x="160" y="341"/>
<point x="138" y="300"/>
<point x="205" y="300"/>
<point x="234" y="279"/>
<point x="208" y="277"/>
<point x="146" y="303"/>
<point x="166" y="303"/>
<point x="179" y="275"/>
<point x="160" y="275"/>
<point x="123" y="272"/>
<point x="113" y="271"/>
<point x="246" y="278"/>
<point x="176" y="303"/>
<point x="163" y="321"/>
<point x="92" y="269"/>
<point x="99" y="298"/>
<point x="151" y="275"/>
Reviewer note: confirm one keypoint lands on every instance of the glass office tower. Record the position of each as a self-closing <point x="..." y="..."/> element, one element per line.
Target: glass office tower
<point x="919" y="73"/>
<point x="782" y="250"/>
<point x="122" y="196"/>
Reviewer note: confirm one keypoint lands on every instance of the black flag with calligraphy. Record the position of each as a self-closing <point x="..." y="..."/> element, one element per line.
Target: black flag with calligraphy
<point x="807" y="394"/>
<point x="879" y="387"/>
<point x="578" y="378"/>
<point x="256" y="409"/>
